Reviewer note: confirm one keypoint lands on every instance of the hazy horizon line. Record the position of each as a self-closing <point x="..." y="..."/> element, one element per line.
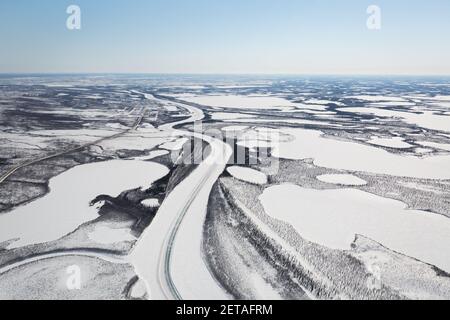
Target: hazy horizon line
<point x="227" y="74"/>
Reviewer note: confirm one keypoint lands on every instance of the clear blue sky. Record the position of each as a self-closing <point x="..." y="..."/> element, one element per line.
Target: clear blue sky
<point x="226" y="36"/>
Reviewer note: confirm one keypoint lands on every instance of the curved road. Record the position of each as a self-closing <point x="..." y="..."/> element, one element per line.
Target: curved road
<point x="168" y="256"/>
<point x="85" y="252"/>
<point x="109" y="257"/>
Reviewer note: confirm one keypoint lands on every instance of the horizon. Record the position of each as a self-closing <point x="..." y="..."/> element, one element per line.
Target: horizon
<point x="256" y="37"/>
<point x="218" y="74"/>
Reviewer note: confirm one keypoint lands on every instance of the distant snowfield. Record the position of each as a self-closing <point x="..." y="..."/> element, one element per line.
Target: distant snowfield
<point x="442" y="146"/>
<point x="242" y="102"/>
<point x="45" y="138"/>
<point x="152" y="155"/>
<point x="316" y="107"/>
<point x="324" y="102"/>
<point x="426" y="120"/>
<point x="442" y="104"/>
<point x="237" y="86"/>
<point x="336" y="154"/>
<point x="298" y="144"/>
<point x="117" y="126"/>
<point x="180" y="95"/>
<point x="228" y="116"/>
<point x="174" y="145"/>
<point x="105" y="235"/>
<point x="85" y="114"/>
<point x="395" y="142"/>
<point x="289" y="121"/>
<point x="393" y="104"/>
<point x="422" y="150"/>
<point x="442" y="98"/>
<point x="135" y="142"/>
<point x="333" y="217"/>
<point x="247" y="174"/>
<point x="234" y="128"/>
<point x="342" y="179"/>
<point x="67" y="205"/>
<point x="377" y="98"/>
<point x="73" y="133"/>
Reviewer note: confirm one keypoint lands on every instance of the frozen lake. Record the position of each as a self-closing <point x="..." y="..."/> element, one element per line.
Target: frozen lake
<point x="333" y="217"/>
<point x="342" y="179"/>
<point x="67" y="205"/>
<point x="337" y="154"/>
<point x="345" y="155"/>
<point x="247" y="174"/>
<point x="244" y="102"/>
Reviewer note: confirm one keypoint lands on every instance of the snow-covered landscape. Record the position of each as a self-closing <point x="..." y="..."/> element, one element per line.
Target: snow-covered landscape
<point x="219" y="188"/>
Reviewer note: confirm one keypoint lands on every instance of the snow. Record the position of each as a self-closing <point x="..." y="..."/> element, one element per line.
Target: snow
<point x="241" y="86"/>
<point x="342" y="179"/>
<point x="95" y="97"/>
<point x="422" y="150"/>
<point x="228" y="116"/>
<point x="105" y="235"/>
<point x="174" y="145"/>
<point x="261" y="137"/>
<point x="394" y="142"/>
<point x="337" y="154"/>
<point x="289" y="121"/>
<point x="139" y="290"/>
<point x="117" y="126"/>
<point x="312" y="107"/>
<point x="45" y="138"/>
<point x="400" y="272"/>
<point x="324" y="102"/>
<point x="150" y="203"/>
<point x="243" y="102"/>
<point x="426" y="120"/>
<point x="73" y="133"/>
<point x="442" y="146"/>
<point x="423" y="187"/>
<point x="442" y="104"/>
<point x="254" y="144"/>
<point x="57" y="85"/>
<point x="393" y="104"/>
<point x="333" y="217"/>
<point x="440" y="98"/>
<point x="183" y="213"/>
<point x="171" y="108"/>
<point x="67" y="205"/>
<point x="377" y="98"/>
<point x="152" y="155"/>
<point x="12" y="140"/>
<point x="248" y="175"/>
<point x="234" y="128"/>
<point x="263" y="288"/>
<point x="180" y="95"/>
<point x="134" y="142"/>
